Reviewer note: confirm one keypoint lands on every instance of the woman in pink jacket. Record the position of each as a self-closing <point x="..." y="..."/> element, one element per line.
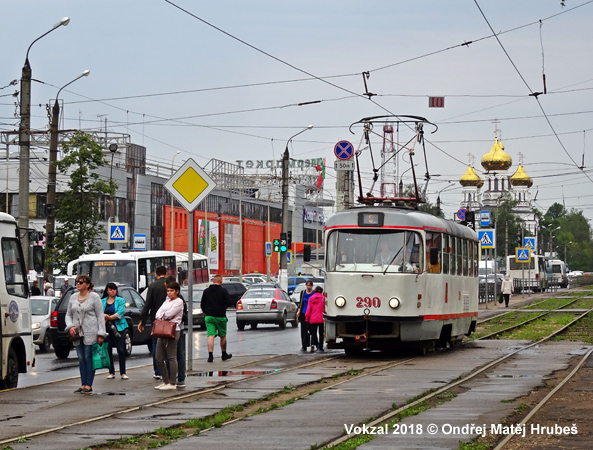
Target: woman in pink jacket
<point x="314" y="317"/>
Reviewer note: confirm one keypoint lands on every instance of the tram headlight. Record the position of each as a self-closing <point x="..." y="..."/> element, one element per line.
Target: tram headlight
<point x="394" y="302"/>
<point x="340" y="302"/>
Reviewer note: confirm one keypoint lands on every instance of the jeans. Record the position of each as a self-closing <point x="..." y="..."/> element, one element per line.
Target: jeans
<point x="120" y="344"/>
<point x="305" y="335"/>
<point x="316" y="328"/>
<point x="85" y="364"/>
<point x="154" y="364"/>
<point x="181" y="356"/>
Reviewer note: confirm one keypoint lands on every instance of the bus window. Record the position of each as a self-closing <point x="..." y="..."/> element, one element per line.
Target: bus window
<point x="433" y="241"/>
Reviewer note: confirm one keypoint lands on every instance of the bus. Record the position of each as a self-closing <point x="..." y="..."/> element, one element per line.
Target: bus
<point x="137" y="269"/>
<point x="529" y="275"/>
<point x="17" y="350"/>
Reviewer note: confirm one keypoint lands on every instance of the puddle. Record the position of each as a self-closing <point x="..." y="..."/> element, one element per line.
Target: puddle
<point x="230" y="373"/>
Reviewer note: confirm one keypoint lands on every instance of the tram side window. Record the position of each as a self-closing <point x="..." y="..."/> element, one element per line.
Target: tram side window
<point x="458" y="257"/>
<point x="433" y="241"/>
<point x="14" y="268"/>
<point x="475" y="258"/>
<point x="465" y="249"/>
<point x="452" y="256"/>
<point x="446" y="253"/>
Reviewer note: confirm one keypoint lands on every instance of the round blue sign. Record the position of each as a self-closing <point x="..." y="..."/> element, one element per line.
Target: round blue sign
<point x="461" y="214"/>
<point x="13" y="311"/>
<point x="344" y="150"/>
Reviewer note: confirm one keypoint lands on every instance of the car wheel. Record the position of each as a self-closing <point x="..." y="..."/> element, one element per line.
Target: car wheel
<point x="241" y="326"/>
<point x="149" y="345"/>
<point x="44" y="347"/>
<point x="254" y="325"/>
<point x="283" y="322"/>
<point x="127" y="342"/>
<point x="12" y="371"/>
<point x="295" y="323"/>
<point x="62" y="352"/>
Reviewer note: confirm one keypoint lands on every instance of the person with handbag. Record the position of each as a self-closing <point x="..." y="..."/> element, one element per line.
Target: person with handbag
<point x="115" y="324"/>
<point x="168" y="317"/>
<point x="85" y="324"/>
<point x="155" y="296"/>
<point x="181" y="341"/>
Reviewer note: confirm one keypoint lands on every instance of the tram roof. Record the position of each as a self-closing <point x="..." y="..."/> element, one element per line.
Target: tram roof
<point x="395" y="217"/>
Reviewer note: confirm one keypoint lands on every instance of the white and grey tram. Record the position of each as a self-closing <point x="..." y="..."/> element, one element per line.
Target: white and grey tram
<point x="398" y="277"/>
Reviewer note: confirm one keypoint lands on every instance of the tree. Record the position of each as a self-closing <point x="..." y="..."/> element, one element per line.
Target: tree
<point x="78" y="211"/>
<point x="509" y="228"/>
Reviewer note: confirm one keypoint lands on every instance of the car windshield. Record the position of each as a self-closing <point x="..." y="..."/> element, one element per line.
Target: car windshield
<point x="39" y="307"/>
<point x="196" y="294"/>
<point x="260" y="293"/>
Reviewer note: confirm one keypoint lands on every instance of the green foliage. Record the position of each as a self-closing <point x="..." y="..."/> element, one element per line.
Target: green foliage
<point x="78" y="212"/>
<point x="508" y="227"/>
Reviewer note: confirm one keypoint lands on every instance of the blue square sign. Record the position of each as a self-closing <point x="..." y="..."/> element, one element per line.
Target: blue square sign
<point x="117" y="232"/>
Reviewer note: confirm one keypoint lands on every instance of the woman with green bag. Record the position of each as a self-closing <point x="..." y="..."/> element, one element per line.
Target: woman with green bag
<point x="85" y="325"/>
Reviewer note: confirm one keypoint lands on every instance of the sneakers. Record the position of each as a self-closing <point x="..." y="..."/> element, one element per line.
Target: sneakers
<point x="125" y="377"/>
<point x="312" y="349"/>
<point x="110" y="376"/>
<point x="157" y="377"/>
<point x="160" y="386"/>
<point x="168" y="387"/>
<point x="321" y="349"/>
<point x="210" y="358"/>
<point x="181" y="384"/>
<point x="303" y="349"/>
<point x="87" y="390"/>
<point x="226" y="356"/>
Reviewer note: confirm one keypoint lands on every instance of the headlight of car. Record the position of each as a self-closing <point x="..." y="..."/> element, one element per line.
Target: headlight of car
<point x="340" y="302"/>
<point x="35" y="326"/>
<point x="197" y="311"/>
<point x="394" y="302"/>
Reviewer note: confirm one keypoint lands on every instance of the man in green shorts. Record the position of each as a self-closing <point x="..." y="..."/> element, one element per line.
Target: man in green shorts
<point x="215" y="301"/>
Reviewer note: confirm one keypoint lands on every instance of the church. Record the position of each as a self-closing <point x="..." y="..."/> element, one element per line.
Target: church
<point x="498" y="183"/>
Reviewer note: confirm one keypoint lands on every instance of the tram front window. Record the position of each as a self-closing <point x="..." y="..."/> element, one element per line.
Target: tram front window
<point x="374" y="251"/>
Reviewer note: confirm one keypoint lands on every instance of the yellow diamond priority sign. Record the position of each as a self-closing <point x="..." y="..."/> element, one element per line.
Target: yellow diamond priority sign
<point x="190" y="185"/>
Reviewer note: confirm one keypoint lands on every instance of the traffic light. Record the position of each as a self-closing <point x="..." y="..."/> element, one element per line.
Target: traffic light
<point x="470" y="218"/>
<point x="276" y="245"/>
<point x="289" y="239"/>
<point x="283" y="242"/>
<point x="306" y="253"/>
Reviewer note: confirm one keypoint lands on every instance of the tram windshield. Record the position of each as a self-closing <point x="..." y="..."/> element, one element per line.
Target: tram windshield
<point x="374" y="251"/>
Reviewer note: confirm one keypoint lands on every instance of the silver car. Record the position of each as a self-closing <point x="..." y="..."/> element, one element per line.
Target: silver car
<point x="265" y="304"/>
<point x="41" y="309"/>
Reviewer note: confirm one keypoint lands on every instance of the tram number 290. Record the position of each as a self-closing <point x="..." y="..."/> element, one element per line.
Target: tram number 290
<point x="368" y="302"/>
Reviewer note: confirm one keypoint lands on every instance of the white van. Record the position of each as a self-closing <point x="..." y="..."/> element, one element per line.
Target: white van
<point x="17" y="351"/>
<point x="556" y="271"/>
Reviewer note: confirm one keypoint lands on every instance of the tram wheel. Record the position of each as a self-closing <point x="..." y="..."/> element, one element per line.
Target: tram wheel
<point x="353" y="350"/>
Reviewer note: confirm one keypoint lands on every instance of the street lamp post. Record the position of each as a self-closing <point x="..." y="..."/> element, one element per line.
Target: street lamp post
<point x="50" y="222"/>
<point x="25" y="143"/>
<point x="283" y="261"/>
<point x="113" y="149"/>
<point x="565" y="255"/>
<point x="451" y="184"/>
<point x="172" y="224"/>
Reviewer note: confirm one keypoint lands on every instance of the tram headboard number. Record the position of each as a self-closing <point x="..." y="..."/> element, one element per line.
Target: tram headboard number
<point x="367" y="219"/>
<point x="368" y="302"/>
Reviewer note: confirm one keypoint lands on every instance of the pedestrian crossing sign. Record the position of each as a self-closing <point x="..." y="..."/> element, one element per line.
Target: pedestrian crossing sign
<point x="522" y="254"/>
<point x="117" y="233"/>
<point x="487" y="238"/>
<point x="529" y="242"/>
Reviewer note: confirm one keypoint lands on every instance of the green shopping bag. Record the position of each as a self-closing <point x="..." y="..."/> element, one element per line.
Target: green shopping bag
<point x="101" y="356"/>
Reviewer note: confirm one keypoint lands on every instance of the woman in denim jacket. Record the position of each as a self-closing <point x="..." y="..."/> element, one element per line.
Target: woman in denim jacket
<point x="115" y="324"/>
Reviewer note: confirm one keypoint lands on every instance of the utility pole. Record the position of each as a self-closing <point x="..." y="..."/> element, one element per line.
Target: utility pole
<point x="24" y="168"/>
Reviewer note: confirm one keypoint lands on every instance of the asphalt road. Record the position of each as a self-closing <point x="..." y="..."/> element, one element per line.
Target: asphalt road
<point x="266" y="339"/>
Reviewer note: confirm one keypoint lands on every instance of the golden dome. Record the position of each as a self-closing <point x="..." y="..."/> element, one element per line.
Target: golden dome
<point x="496" y="158"/>
<point x="520" y="178"/>
<point x="471" y="178"/>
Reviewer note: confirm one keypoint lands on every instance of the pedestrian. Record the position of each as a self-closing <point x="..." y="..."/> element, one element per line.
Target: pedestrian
<point x="166" y="350"/>
<point x="314" y="317"/>
<point x="84" y="318"/>
<point x="181" y="342"/>
<point x="303" y="302"/>
<point x="507" y="289"/>
<point x="114" y="307"/>
<point x="215" y="301"/>
<point x="155" y="296"/>
<point x="64" y="287"/>
<point x="35" y="288"/>
<point x="49" y="291"/>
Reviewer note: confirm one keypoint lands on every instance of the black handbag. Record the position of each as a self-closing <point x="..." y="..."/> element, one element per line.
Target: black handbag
<point x="500" y="298"/>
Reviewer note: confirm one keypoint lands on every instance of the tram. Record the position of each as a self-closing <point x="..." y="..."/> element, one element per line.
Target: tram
<point x="396" y="276"/>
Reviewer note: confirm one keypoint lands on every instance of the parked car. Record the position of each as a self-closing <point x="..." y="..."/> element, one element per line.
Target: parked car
<point x="134" y="305"/>
<point x="296" y="294"/>
<point x="265" y="304"/>
<point x="197" y="313"/>
<point x="41" y="309"/>
<point x="235" y="289"/>
<point x="293" y="282"/>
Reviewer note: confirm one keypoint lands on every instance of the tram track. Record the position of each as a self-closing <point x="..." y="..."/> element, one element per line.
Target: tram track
<point x="389" y="415"/>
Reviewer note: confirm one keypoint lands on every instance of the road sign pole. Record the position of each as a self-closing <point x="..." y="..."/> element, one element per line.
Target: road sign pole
<point x="190" y="283"/>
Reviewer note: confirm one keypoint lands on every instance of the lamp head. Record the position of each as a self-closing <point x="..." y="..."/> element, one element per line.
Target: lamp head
<point x="86" y="73"/>
<point x="112" y="147"/>
<point x="65" y="21"/>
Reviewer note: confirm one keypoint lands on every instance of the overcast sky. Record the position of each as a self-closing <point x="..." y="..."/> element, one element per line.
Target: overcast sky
<point x="224" y="79"/>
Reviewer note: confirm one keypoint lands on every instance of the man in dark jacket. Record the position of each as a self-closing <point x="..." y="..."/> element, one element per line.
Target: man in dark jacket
<point x="215" y="301"/>
<point x="155" y="297"/>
